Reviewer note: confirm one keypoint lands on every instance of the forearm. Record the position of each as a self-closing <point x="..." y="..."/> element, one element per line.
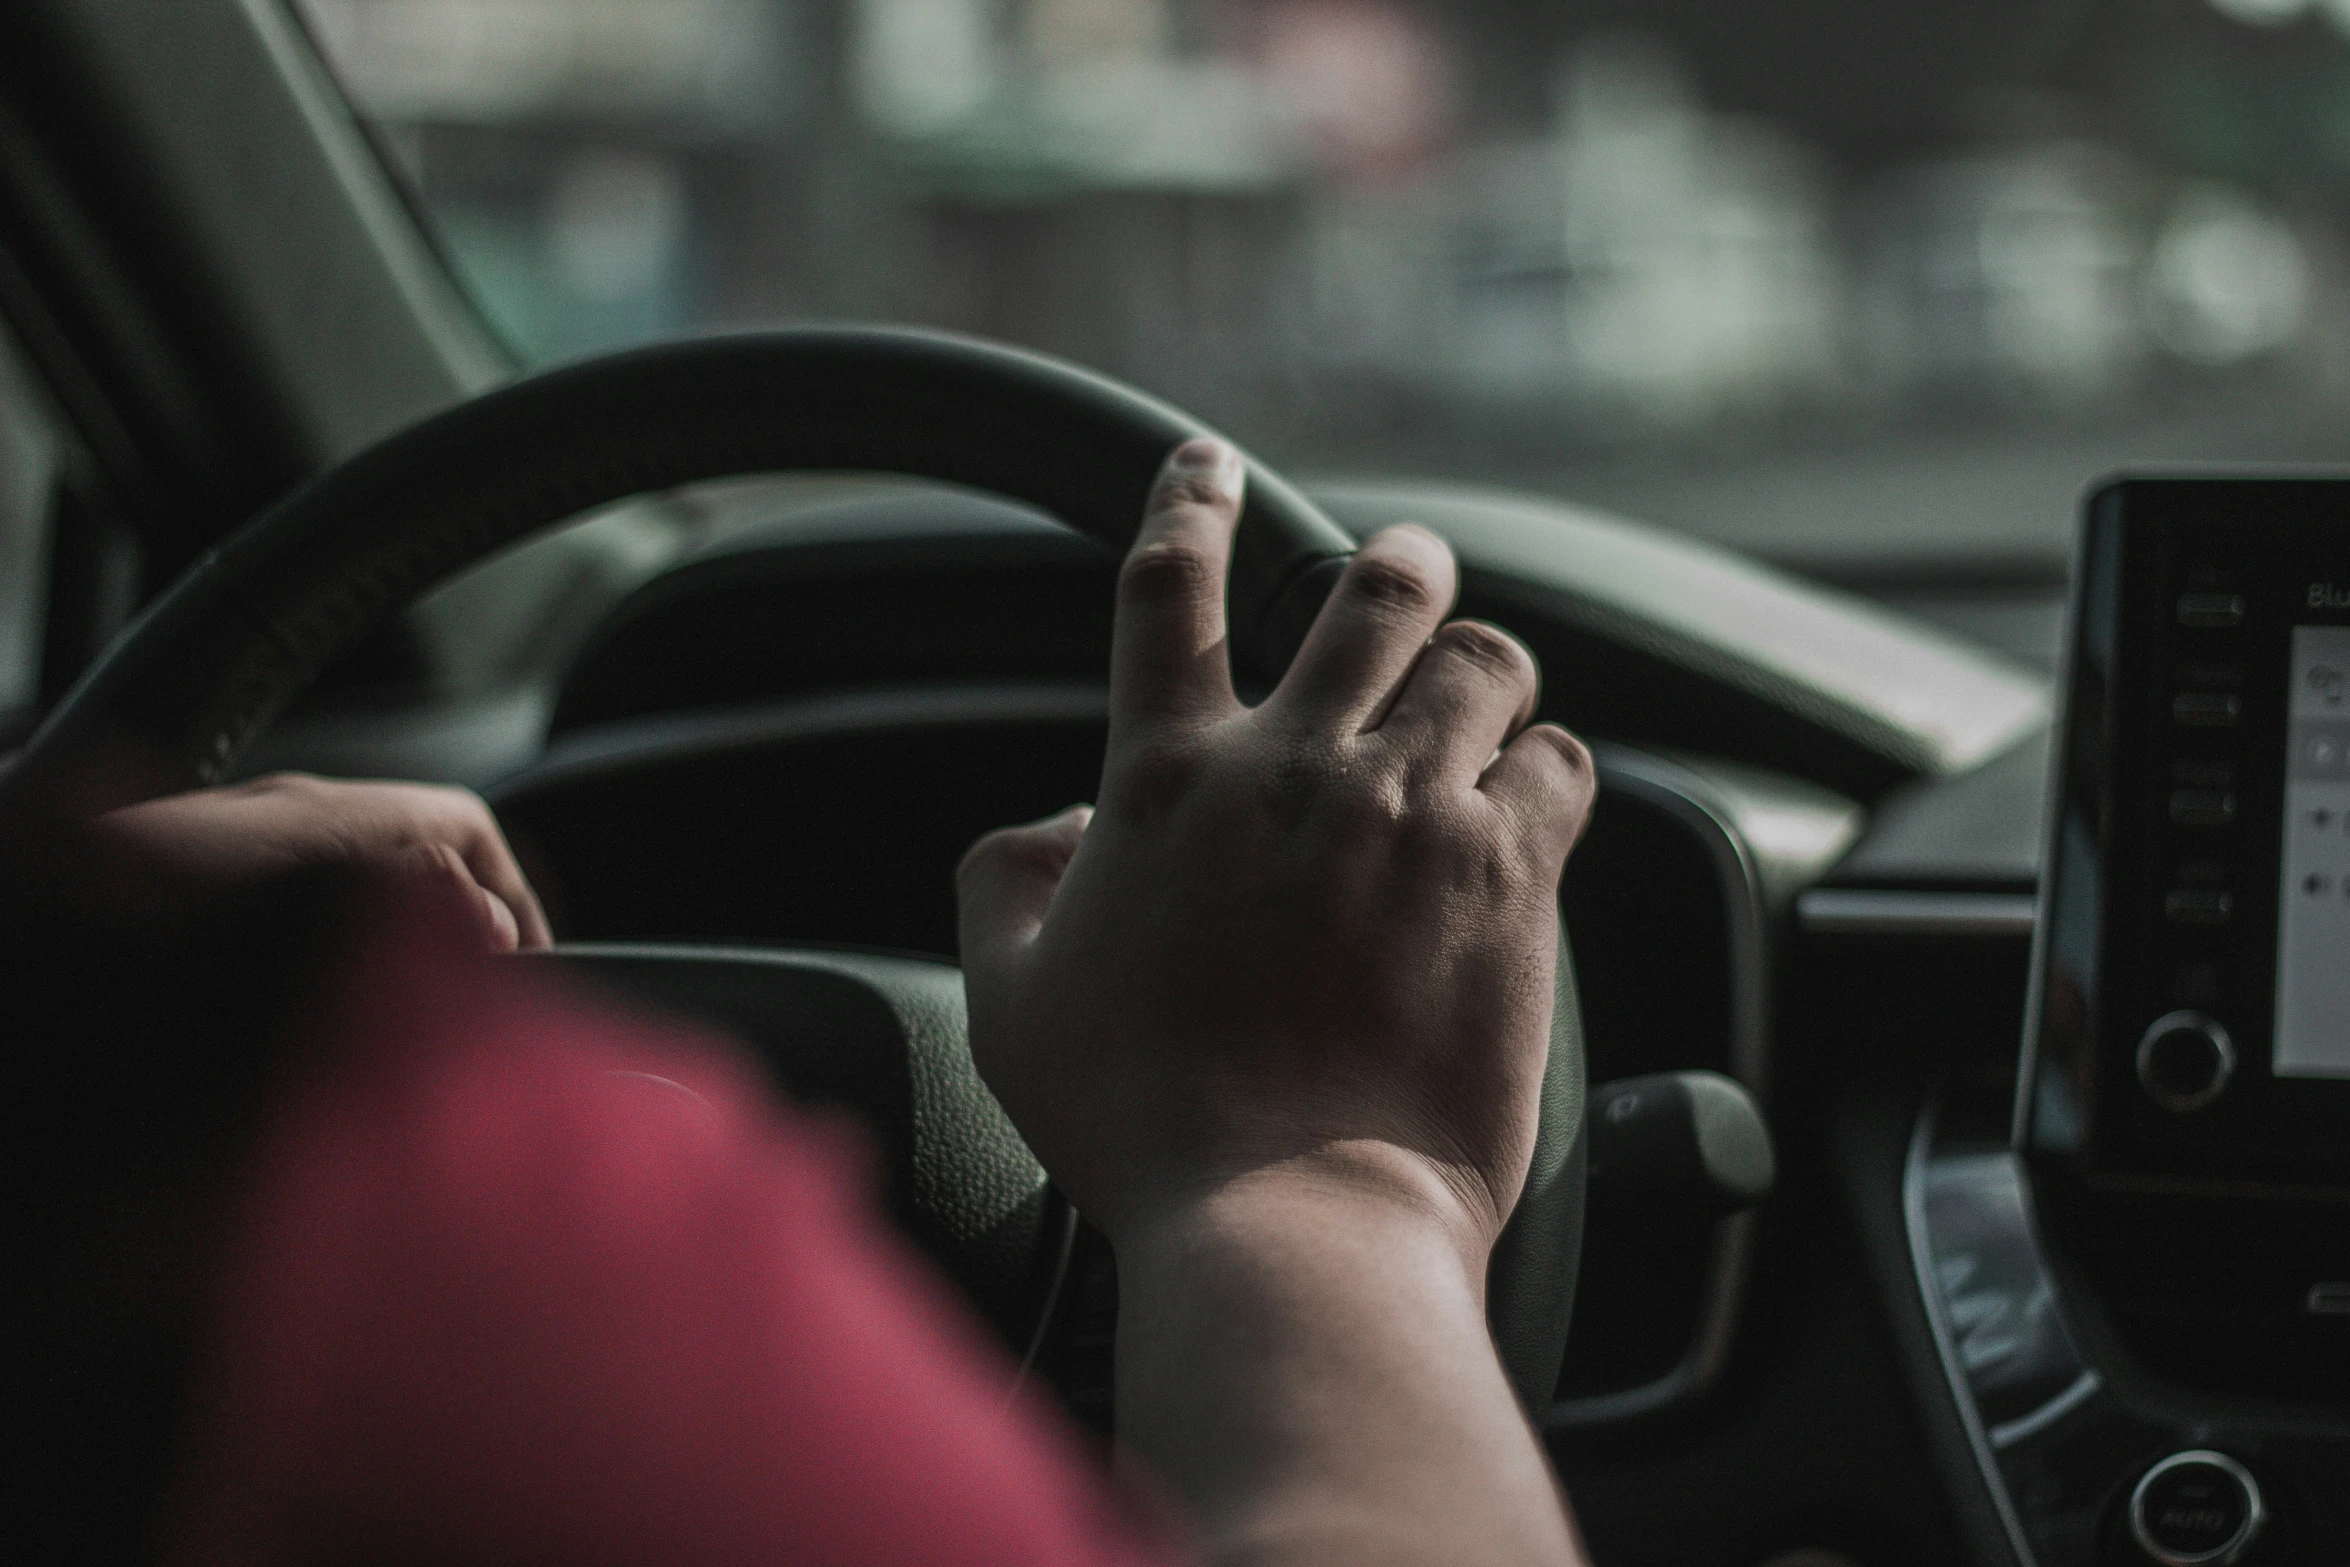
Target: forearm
<point x="1311" y="1369"/>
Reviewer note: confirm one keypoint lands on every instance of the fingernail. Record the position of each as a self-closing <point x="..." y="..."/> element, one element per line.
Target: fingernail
<point x="505" y="931"/>
<point x="1208" y="459"/>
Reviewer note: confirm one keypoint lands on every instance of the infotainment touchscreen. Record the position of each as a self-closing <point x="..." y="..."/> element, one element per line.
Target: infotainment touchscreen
<point x="2312" y="1028"/>
<point x="2191" y="1019"/>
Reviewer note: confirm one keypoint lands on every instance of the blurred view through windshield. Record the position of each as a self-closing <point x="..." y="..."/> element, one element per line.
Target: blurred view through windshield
<point x="1871" y="288"/>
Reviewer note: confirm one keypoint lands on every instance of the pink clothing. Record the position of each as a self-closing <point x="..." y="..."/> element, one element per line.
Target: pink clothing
<point x="521" y="1278"/>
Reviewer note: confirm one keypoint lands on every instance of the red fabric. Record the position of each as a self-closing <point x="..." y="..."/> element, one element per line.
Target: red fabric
<point x="522" y="1279"/>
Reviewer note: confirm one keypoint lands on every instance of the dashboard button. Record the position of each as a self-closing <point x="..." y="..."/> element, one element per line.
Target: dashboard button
<point x="2185" y="1061"/>
<point x="2198" y="906"/>
<point x="2202" y="807"/>
<point x="2197" y="1509"/>
<point x="2206" y="709"/>
<point x="2328" y="1298"/>
<point x="2211" y="611"/>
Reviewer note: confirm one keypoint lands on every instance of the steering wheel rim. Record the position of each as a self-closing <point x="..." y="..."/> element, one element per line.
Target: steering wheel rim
<point x="172" y="703"/>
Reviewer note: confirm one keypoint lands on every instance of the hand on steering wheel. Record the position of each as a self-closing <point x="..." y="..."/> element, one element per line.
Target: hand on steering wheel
<point x="1279" y="1017"/>
<point x="189" y="857"/>
<point x="1390" y="813"/>
<point x="1310" y="941"/>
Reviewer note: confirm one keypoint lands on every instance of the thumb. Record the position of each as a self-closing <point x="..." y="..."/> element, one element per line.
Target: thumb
<point x="1005" y="885"/>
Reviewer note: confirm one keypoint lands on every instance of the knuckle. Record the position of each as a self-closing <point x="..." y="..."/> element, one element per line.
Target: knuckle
<point x="1572" y="754"/>
<point x="1391" y="582"/>
<point x="1560" y="747"/>
<point x="335" y="807"/>
<point x="1490" y="650"/>
<point x="303" y="786"/>
<point x="1562" y="778"/>
<point x="1185" y="489"/>
<point x="463" y="804"/>
<point x="1166" y="571"/>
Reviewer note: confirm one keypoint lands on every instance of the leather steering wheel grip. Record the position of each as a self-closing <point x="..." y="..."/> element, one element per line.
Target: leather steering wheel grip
<point x="252" y="623"/>
<point x="171" y="704"/>
<point x="1530" y="1281"/>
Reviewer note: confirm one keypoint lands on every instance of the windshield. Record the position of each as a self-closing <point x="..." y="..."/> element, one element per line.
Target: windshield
<point x="1869" y="288"/>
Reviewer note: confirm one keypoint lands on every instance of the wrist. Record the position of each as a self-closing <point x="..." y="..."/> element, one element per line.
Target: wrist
<point x="1364" y="1191"/>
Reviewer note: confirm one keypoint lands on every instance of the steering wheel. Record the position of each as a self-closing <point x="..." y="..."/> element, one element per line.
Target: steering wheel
<point x="170" y="705"/>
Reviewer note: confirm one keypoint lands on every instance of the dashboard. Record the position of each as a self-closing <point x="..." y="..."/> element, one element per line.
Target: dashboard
<point x="792" y="735"/>
<point x="1952" y="1334"/>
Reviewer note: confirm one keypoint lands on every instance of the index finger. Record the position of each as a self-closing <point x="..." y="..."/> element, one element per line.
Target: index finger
<point x="1169" y="650"/>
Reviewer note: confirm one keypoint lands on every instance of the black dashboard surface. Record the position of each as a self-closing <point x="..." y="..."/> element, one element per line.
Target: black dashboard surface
<point x="1981" y="830"/>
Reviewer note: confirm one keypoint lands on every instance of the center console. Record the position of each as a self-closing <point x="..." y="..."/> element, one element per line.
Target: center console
<point x="2193" y="1027"/>
<point x="2159" y="1232"/>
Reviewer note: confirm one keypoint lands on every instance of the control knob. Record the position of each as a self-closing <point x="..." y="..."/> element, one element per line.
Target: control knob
<point x="2185" y="1061"/>
<point x="2197" y="1509"/>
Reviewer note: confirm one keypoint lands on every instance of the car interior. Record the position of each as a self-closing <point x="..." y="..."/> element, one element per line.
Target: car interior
<point x="1963" y="1173"/>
